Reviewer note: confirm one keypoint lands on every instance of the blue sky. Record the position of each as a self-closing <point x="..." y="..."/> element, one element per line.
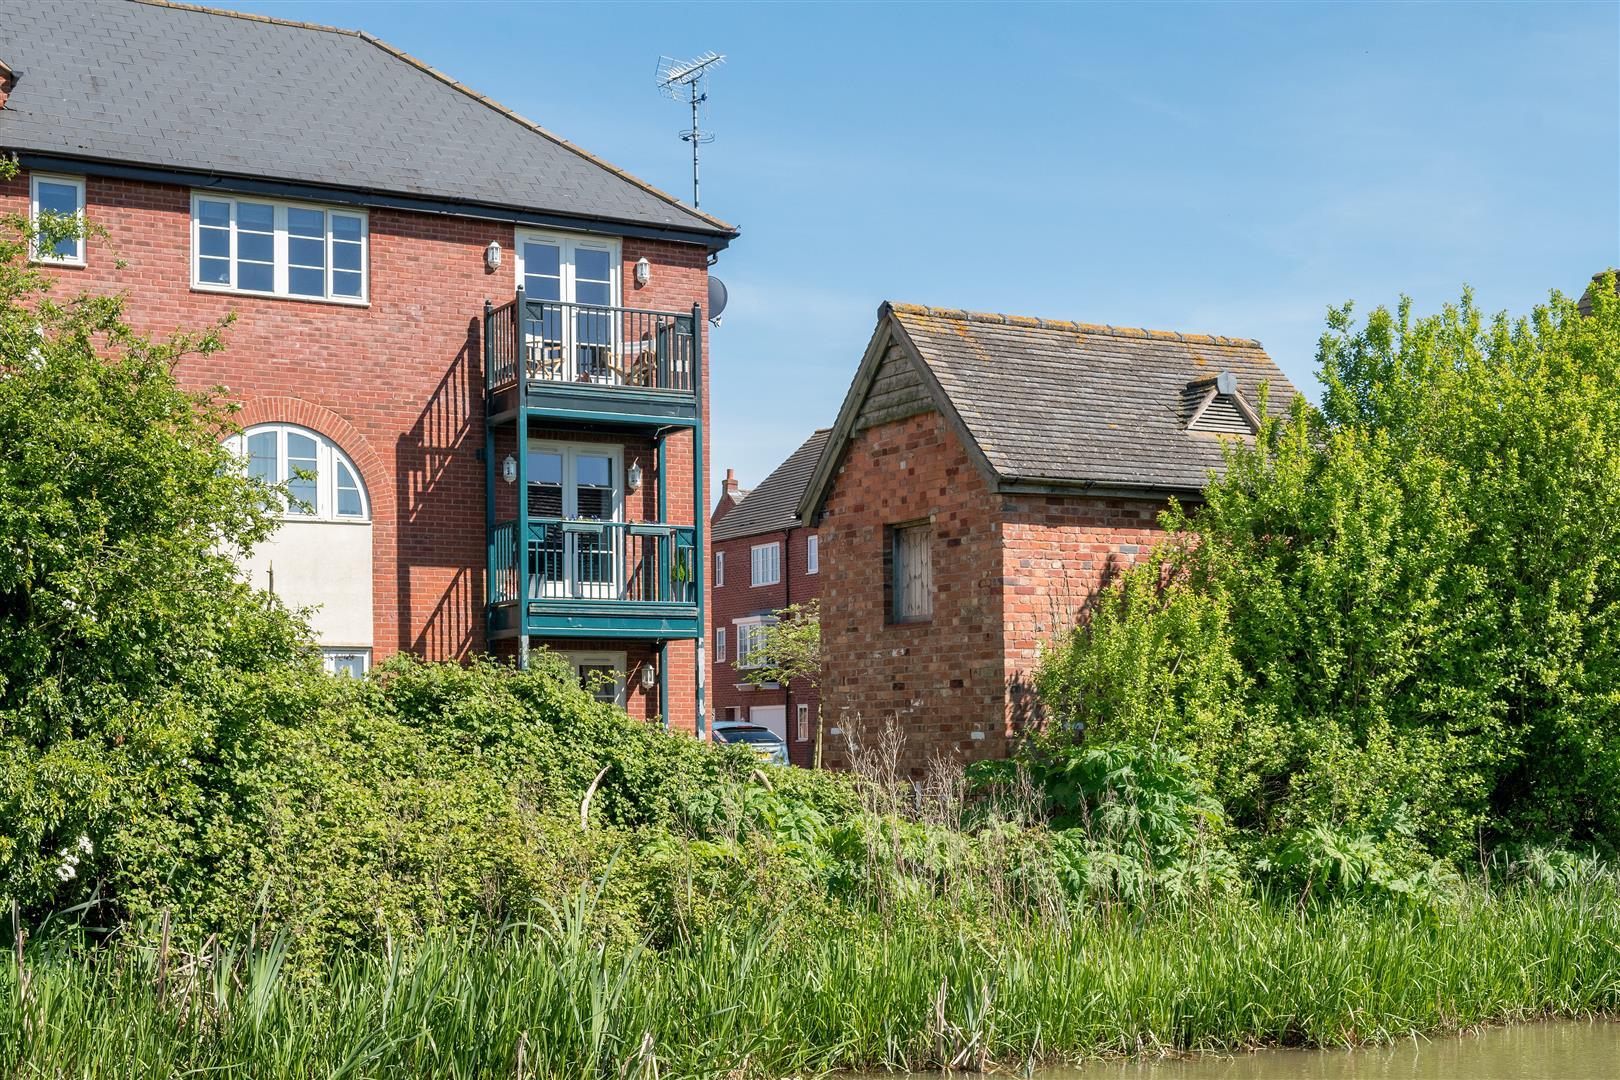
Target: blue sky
<point x="1229" y="169"/>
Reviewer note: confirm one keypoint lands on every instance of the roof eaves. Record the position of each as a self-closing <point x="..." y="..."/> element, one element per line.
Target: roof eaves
<point x="490" y="103"/>
<point x="1065" y="485"/>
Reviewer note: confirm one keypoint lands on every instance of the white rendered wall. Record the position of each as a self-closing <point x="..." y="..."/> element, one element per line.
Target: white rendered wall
<point x="324" y="566"/>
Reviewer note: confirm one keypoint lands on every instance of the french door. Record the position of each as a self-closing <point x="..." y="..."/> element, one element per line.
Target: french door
<point x="578" y="493"/>
<point x="570" y="330"/>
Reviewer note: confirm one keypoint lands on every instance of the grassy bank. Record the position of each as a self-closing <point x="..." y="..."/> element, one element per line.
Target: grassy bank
<point x="545" y="1001"/>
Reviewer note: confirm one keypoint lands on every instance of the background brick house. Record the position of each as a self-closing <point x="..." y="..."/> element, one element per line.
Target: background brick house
<point x="356" y="210"/>
<point x="985" y="475"/>
<point x="765" y="560"/>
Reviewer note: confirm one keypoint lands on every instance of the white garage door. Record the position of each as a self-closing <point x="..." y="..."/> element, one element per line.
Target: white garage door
<point x="770" y="716"/>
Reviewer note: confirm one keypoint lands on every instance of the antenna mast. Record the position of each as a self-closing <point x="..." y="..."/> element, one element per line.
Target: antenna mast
<point x="689" y="80"/>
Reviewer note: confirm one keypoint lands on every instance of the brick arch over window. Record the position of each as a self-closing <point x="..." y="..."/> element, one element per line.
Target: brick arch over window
<point x="290" y="410"/>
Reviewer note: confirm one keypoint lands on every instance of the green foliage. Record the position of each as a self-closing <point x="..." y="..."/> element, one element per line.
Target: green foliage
<point x="1129" y="822"/>
<point x="122" y="616"/>
<point x="1402" y="605"/>
<point x="747" y="997"/>
<point x="790" y="649"/>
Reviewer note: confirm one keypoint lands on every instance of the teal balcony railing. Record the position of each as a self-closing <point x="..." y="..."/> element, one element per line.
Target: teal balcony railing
<point x="599" y="576"/>
<point x="537" y="345"/>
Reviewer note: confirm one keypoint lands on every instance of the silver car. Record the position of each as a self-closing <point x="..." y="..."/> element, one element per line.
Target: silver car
<point x="767" y="744"/>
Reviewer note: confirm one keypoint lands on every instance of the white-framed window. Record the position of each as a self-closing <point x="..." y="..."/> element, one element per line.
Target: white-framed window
<point x="571" y="280"/>
<point x="719" y="569"/>
<point x="802" y="724"/>
<point x="602" y="673"/>
<point x="342" y="660"/>
<point x="574" y="482"/>
<point x="62" y="195"/>
<point x="720" y="643"/>
<point x="766" y="564"/>
<point x="910" y="577"/>
<point x="569" y="268"/>
<point x="270" y="248"/>
<point x="322" y="483"/>
<point x="812" y="554"/>
<point x="751" y="638"/>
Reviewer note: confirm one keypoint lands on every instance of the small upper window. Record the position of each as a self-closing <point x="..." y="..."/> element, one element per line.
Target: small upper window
<point x="63" y="196"/>
<point x="766" y="564"/>
<point x="719" y="644"/>
<point x="322" y="483"/>
<point x="812" y="554"/>
<point x="278" y="249"/>
<point x="719" y="569"/>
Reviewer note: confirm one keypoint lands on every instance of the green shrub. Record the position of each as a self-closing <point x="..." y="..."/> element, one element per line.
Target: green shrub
<point x="1401" y="605"/>
<point x="1129" y="821"/>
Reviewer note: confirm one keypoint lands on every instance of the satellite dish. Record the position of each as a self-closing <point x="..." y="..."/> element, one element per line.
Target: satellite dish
<point x="1225" y="382"/>
<point x="717" y="297"/>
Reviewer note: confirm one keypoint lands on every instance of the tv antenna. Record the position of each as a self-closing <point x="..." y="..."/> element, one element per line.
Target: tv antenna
<point x="689" y="80"/>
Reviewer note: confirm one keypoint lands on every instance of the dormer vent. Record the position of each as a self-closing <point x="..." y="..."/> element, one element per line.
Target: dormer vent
<point x="1219" y="408"/>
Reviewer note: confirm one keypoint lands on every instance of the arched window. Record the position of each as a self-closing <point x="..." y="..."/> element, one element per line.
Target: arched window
<point x="322" y="482"/>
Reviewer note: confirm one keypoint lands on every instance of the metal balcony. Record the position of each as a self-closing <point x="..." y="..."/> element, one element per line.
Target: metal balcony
<point x="603" y="365"/>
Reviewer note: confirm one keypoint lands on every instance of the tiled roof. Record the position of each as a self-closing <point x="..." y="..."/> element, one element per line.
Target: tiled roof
<point x="1052" y="404"/>
<point x="1076" y="402"/>
<point x="186" y="88"/>
<point x="774" y="504"/>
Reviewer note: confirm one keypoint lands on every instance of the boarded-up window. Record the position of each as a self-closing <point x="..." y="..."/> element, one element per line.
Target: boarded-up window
<point x="911" y="573"/>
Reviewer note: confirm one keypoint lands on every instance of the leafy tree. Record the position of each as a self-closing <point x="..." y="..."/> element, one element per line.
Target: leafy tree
<point x="790" y="648"/>
<point x="1402" y="606"/>
<point x="121" y="608"/>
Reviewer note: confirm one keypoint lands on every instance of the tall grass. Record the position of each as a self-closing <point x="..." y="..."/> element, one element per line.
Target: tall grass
<point x="548" y="1001"/>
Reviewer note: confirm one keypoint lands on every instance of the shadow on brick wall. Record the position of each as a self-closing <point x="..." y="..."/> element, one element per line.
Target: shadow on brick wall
<point x="440" y="488"/>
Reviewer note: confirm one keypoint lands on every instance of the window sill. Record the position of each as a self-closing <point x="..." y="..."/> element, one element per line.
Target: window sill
<point x="219" y="290"/>
<point x="311" y="519"/>
<point x="62" y="264"/>
<point x="764" y="584"/>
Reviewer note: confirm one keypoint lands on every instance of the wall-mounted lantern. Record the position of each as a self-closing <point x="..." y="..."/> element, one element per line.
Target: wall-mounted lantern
<point x="632" y="476"/>
<point x="643" y="271"/>
<point x="509" y="469"/>
<point x="649" y="675"/>
<point x="492" y="256"/>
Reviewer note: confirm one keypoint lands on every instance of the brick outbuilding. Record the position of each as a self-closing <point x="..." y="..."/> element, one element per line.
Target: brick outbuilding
<point x="985" y="476"/>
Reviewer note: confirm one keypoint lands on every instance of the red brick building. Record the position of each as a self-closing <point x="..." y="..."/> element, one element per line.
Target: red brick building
<point x="984" y="476"/>
<point x="486" y="344"/>
<point x="764" y="561"/>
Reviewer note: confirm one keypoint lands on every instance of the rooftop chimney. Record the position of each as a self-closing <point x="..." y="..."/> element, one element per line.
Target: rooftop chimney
<point x="728" y="486"/>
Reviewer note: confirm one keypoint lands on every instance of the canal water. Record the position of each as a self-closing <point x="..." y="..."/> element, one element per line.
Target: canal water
<point x="1584" y="1050"/>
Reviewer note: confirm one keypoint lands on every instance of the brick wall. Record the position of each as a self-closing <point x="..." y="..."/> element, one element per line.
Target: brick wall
<point x="398" y="384"/>
<point x="737" y="599"/>
<point x="1056" y="552"/>
<point x="1009" y="572"/>
<point x="941" y="679"/>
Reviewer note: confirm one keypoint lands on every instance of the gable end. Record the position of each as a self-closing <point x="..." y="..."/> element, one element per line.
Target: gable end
<point x="897" y="391"/>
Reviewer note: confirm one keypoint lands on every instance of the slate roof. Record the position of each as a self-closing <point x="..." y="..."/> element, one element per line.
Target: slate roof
<point x="187" y="88"/>
<point x="774" y="504"/>
<point x="1065" y="404"/>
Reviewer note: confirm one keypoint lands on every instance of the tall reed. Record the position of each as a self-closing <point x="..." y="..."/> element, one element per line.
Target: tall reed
<point x="549" y="1001"/>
